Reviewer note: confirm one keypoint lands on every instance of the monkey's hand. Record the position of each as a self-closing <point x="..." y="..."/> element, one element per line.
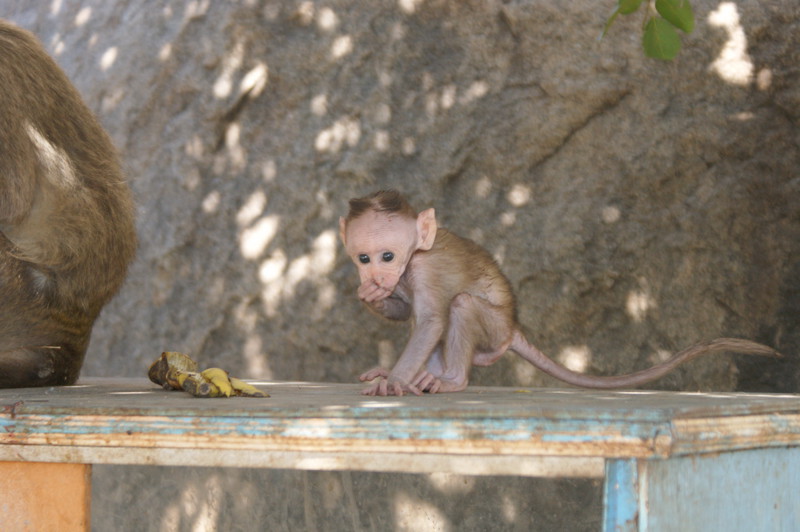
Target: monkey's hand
<point x="370" y="292"/>
<point x="386" y="385"/>
<point x="384" y="302"/>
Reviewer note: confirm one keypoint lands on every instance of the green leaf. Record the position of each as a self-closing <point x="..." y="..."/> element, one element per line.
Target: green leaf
<point x="609" y="22"/>
<point x="660" y="40"/>
<point x="678" y="12"/>
<point x="626" y="7"/>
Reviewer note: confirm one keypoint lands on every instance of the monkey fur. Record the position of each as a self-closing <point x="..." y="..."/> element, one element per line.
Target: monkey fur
<point x="66" y="218"/>
<point x="460" y="304"/>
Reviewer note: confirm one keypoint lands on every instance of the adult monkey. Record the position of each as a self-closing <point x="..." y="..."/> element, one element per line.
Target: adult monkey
<point x="66" y="218"/>
<point x="461" y="305"/>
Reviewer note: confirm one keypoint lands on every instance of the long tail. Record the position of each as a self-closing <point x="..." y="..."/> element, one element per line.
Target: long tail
<point x="527" y="351"/>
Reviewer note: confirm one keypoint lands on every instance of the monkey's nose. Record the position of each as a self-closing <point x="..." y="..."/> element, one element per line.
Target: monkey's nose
<point x="376" y="276"/>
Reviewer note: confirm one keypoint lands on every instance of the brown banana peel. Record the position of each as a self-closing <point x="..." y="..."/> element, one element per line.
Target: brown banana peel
<point x="177" y="371"/>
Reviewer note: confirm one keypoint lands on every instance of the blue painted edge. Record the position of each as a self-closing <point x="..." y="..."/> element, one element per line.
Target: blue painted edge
<point x="505" y="430"/>
<point x="621" y="496"/>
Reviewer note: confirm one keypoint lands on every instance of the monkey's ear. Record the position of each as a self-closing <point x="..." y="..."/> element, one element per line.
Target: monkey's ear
<point x="342" y="229"/>
<point x="426" y="229"/>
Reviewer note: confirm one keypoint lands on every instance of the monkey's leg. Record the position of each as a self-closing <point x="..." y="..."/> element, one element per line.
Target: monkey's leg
<point x="477" y="331"/>
<point x="39" y="366"/>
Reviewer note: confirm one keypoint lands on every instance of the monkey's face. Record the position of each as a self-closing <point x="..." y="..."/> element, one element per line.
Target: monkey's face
<point x="381" y="245"/>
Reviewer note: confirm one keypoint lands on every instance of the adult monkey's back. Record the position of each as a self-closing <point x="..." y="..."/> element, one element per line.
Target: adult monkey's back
<point x="66" y="218"/>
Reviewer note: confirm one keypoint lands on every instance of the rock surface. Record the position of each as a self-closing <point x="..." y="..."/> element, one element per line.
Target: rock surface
<point x="637" y="207"/>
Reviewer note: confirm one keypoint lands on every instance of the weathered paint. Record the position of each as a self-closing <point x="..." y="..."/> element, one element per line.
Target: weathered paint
<point x="664" y="452"/>
<point x="750" y="490"/>
<point x="41" y="496"/>
<point x="542" y="433"/>
<point x="746" y="490"/>
<point x="621" y="496"/>
<point x="332" y="418"/>
<point x="350" y="459"/>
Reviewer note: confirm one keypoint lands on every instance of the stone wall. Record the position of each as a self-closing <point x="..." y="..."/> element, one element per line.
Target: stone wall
<point x="637" y="207"/>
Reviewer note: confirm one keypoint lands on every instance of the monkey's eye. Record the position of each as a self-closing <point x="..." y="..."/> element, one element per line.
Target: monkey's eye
<point x="388" y="256"/>
<point x="363" y="258"/>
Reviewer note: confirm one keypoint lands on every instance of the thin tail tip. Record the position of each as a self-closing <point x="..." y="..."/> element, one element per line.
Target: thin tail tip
<point x="776" y="354"/>
<point x="770" y="352"/>
<point x="748" y="347"/>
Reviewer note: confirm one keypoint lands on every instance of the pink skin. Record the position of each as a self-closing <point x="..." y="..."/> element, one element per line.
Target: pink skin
<point x="372" y="236"/>
<point x="370" y="291"/>
<point x="370" y="240"/>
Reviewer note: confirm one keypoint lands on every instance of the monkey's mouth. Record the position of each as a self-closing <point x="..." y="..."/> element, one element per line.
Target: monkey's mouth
<point x="389" y="286"/>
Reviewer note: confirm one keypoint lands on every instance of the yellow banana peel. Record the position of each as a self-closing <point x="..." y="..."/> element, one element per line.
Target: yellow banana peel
<point x="219" y="378"/>
<point x="245" y="389"/>
<point x="177" y="371"/>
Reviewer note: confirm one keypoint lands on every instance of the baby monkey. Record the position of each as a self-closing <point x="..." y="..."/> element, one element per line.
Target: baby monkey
<point x="461" y="306"/>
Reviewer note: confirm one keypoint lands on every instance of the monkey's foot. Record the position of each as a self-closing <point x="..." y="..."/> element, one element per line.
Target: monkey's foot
<point x="424" y="382"/>
<point x="427" y="382"/>
<point x="385" y="385"/>
<point x="177" y="371"/>
<point x="445" y="386"/>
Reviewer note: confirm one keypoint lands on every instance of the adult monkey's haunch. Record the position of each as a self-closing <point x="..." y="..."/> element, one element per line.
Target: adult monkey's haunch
<point x="66" y="218"/>
<point x="461" y="305"/>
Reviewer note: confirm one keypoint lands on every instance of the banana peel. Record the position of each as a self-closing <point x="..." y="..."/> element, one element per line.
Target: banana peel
<point x="218" y="378"/>
<point x="245" y="389"/>
<point x="177" y="371"/>
<point x="168" y="367"/>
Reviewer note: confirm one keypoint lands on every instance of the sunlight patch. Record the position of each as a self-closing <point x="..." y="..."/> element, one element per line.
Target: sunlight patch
<point x="255" y="239"/>
<point x="255" y="80"/>
<point x="452" y="483"/>
<point x="414" y="514"/>
<point x="576" y="358"/>
<point x="733" y="63"/>
<point x="519" y="195"/>
<point x="108" y="58"/>
<point x="637" y="304"/>
<point x="342" y="46"/>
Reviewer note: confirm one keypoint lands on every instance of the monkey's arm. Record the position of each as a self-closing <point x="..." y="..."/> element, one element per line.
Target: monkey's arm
<point x="427" y="332"/>
<point x="392" y="307"/>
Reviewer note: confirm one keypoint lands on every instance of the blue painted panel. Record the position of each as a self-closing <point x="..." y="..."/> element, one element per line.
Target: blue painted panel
<point x="748" y="491"/>
<point x="621" y="496"/>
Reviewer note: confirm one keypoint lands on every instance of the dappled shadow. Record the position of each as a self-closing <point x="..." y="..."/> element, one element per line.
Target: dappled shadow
<point x="207" y="498"/>
<point x="256" y="122"/>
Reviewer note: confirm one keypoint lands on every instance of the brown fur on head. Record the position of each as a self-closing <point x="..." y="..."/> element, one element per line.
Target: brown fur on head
<point x="381" y="234"/>
<point x="385" y="201"/>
